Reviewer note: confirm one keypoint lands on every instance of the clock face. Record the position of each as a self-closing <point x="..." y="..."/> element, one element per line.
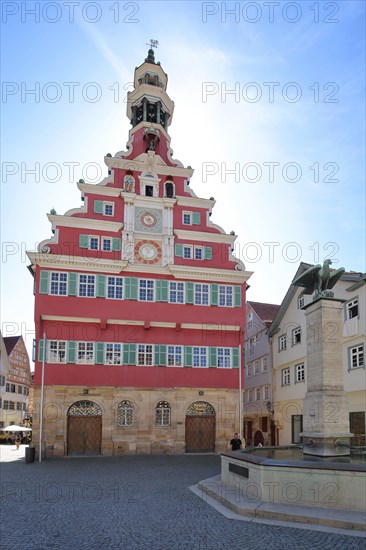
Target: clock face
<point x="148" y="219"/>
<point x="148" y="252"/>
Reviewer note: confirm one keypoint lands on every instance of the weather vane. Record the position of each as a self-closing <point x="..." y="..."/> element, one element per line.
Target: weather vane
<point x="153" y="43"/>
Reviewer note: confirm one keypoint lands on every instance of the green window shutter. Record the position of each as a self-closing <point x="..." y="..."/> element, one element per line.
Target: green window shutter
<point x="126" y="352"/>
<point x="116" y="244"/>
<point x="131" y="284"/>
<point x="161" y="291"/>
<point x="72" y="280"/>
<point x="83" y="241"/>
<point x="156" y="354"/>
<point x="40" y="350"/>
<point x="162" y="356"/>
<point x="187" y="356"/>
<point x="98" y="207"/>
<point x="129" y="354"/>
<point x="213" y="357"/>
<point x="189" y="293"/>
<point x="43" y="282"/>
<point x="71" y="352"/>
<point x="100" y="286"/>
<point x="208" y="253"/>
<point x="235" y="355"/>
<point x="99" y="354"/>
<point x="196" y="218"/>
<point x="237" y="296"/>
<point x="214" y="295"/>
<point x="179" y="250"/>
<point x="132" y="355"/>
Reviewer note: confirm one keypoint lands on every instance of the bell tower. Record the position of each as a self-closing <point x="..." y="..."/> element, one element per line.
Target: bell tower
<point x="149" y="108"/>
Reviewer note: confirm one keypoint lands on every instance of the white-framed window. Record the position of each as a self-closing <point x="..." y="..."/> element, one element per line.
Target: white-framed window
<point x="300" y="301"/>
<point x="106" y="244"/>
<point x="146" y="290"/>
<point x="256" y="366"/>
<point x="250" y="395"/>
<point x="252" y="342"/>
<point x="187" y="252"/>
<point x="19" y="406"/>
<point x="87" y="285"/>
<point x="224" y="357"/>
<point x="85" y="352"/>
<point x="356" y="357"/>
<point x="2" y="380"/>
<point x="187" y="218"/>
<point x="257" y="394"/>
<point x="264" y="363"/>
<point x="198" y="253"/>
<point x="296" y="336"/>
<point x="282" y="343"/>
<point x="125" y="413"/>
<point x="249" y="369"/>
<point x="225" y="295"/>
<point x="299" y="373"/>
<point x="93" y="242"/>
<point x="115" y="288"/>
<point x="113" y="354"/>
<point x="176" y="292"/>
<point x="58" y="284"/>
<point x="144" y="354"/>
<point x="250" y="320"/>
<point x="285" y="377"/>
<point x="201" y="294"/>
<point x="352" y="308"/>
<point x="265" y="393"/>
<point x="57" y="351"/>
<point x="174" y="356"/>
<point x="108" y="208"/>
<point x="20" y="389"/>
<point x="162" y="414"/>
<point x="199" y="356"/>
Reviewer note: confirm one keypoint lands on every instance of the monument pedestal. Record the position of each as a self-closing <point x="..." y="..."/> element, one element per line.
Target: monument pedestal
<point x="325" y="416"/>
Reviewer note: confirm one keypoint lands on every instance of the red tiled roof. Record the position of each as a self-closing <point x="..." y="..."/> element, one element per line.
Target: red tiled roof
<point x="266" y="312"/>
<point x="10" y="343"/>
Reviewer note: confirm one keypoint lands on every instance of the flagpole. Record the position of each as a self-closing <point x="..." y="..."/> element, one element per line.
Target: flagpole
<point x="240" y="394"/>
<point x="41" y="404"/>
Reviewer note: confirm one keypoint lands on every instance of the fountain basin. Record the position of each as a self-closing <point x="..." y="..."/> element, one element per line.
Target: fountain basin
<point x="295" y="479"/>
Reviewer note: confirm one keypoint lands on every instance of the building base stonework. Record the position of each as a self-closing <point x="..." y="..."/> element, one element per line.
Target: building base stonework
<point x="143" y="437"/>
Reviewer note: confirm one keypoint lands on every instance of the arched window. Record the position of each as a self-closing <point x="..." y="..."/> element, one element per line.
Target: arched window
<point x="125" y="413"/>
<point x="84" y="408"/>
<point x="200" y="408"/>
<point x="162" y="414"/>
<point x="169" y="189"/>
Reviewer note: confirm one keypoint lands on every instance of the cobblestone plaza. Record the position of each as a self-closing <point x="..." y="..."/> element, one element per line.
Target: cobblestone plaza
<point x="132" y="502"/>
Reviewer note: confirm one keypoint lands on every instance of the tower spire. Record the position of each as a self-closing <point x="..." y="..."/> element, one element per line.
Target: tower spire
<point x="150" y="54"/>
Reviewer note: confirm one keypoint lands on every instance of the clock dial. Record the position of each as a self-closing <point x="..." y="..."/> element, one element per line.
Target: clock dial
<point x="148" y="219"/>
<point x="148" y="252"/>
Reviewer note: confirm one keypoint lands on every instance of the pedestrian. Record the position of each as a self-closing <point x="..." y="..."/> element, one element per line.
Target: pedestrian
<point x="236" y="443"/>
<point x="18" y="439"/>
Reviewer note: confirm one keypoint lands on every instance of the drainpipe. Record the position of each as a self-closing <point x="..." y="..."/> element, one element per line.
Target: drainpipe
<point x="41" y="404"/>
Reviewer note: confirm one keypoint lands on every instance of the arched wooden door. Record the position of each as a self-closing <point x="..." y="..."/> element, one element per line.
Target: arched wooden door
<point x="84" y="429"/>
<point x="200" y="428"/>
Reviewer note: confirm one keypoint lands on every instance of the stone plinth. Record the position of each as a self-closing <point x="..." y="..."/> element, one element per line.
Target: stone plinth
<point x="326" y="413"/>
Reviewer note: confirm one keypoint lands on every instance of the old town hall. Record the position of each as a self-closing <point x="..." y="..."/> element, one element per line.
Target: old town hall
<point x="139" y="305"/>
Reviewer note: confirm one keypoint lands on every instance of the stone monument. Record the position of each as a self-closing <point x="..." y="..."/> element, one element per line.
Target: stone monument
<point x="326" y="430"/>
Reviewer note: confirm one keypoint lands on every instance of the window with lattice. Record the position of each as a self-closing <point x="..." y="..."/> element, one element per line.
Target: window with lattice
<point x="162" y="414"/>
<point x="125" y="413"/>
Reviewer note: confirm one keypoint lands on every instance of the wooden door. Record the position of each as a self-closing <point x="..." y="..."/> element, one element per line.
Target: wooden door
<point x="84" y="435"/>
<point x="200" y="434"/>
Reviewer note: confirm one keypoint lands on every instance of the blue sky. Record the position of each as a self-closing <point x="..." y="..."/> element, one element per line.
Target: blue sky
<point x="282" y="153"/>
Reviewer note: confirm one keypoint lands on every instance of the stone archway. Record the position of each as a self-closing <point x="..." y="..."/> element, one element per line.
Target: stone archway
<point x="200" y="427"/>
<point x="258" y="438"/>
<point x="84" y="428"/>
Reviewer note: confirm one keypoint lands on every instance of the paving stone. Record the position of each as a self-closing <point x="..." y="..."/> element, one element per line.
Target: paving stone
<point x="133" y="502"/>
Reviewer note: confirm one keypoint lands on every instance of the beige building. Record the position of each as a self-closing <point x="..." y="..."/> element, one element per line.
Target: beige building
<point x="288" y="339"/>
<point x="15" y="381"/>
